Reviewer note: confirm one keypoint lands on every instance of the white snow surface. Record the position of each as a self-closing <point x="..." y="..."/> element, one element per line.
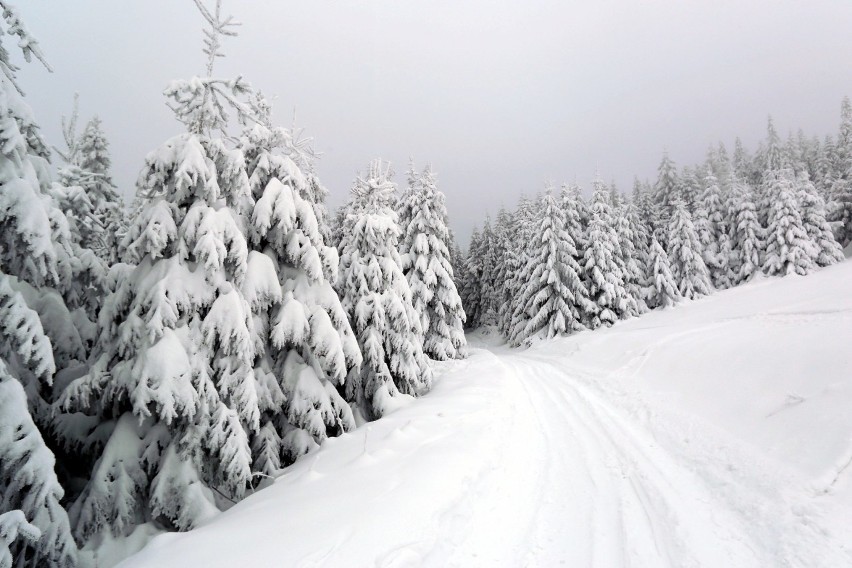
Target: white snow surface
<point x="715" y="433"/>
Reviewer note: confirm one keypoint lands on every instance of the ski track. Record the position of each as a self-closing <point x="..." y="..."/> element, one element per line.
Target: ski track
<point x="608" y="482"/>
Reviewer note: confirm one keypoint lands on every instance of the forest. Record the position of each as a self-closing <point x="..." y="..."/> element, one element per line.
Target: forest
<point x="166" y="357"/>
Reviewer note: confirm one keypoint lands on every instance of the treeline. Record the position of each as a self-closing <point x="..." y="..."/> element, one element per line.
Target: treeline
<point x="558" y="263"/>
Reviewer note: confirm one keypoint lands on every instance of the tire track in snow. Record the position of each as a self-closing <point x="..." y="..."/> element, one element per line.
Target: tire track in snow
<point x="637" y="503"/>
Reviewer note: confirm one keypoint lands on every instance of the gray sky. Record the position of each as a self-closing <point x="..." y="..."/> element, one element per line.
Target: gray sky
<point x="500" y="95"/>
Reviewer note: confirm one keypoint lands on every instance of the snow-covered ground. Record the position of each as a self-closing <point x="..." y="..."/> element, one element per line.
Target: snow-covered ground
<point x="717" y="433"/>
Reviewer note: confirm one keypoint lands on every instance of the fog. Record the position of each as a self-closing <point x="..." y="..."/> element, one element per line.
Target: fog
<point x="500" y="96"/>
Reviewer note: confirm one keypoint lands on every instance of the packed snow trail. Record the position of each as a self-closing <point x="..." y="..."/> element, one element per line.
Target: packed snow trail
<point x="714" y="434"/>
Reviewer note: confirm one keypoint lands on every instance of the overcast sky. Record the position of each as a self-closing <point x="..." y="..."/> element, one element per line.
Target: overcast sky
<point x="500" y="95"/>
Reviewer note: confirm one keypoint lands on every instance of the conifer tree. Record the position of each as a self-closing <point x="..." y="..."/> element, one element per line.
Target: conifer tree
<point x="828" y="250"/>
<point x="489" y="258"/>
<point x="690" y="188"/>
<point x="841" y="211"/>
<point x="94" y="157"/>
<point x="838" y="164"/>
<point x="513" y="312"/>
<point x="305" y="346"/>
<point x="602" y="274"/>
<point x="379" y="301"/>
<point x="461" y="278"/>
<point x="426" y="264"/>
<point x="667" y="189"/>
<point x="743" y="164"/>
<point x="555" y="297"/>
<point x="470" y="290"/>
<point x="174" y="369"/>
<point x="633" y="242"/>
<point x="747" y="234"/>
<point x="506" y="267"/>
<point x="710" y="221"/>
<point x="37" y="269"/>
<point x="28" y="483"/>
<point x="662" y="291"/>
<point x="789" y="248"/>
<point x="688" y="268"/>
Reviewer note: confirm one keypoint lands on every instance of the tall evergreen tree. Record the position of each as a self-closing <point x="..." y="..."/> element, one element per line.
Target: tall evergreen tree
<point x="426" y="264"/>
<point x="36" y="262"/>
<point x="633" y="243"/>
<point x="789" y="248"/>
<point x="662" y="291"/>
<point x="513" y="312"/>
<point x="378" y="300"/>
<point x="470" y="290"/>
<point x="489" y="260"/>
<point x="667" y="189"/>
<point x="602" y="274"/>
<point x="838" y="161"/>
<point x="688" y="267"/>
<point x="827" y="249"/>
<point x="711" y="225"/>
<point x="109" y="207"/>
<point x="746" y="234"/>
<point x="174" y="370"/>
<point x="305" y="346"/>
<point x="555" y="296"/>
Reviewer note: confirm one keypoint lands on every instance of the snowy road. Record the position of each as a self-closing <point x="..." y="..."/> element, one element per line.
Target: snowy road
<point x="715" y="435"/>
<point x="610" y="483"/>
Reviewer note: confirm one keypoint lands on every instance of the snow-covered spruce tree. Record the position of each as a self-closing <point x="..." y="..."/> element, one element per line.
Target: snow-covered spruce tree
<point x="37" y="273"/>
<point x="828" y="250"/>
<point x="743" y="165"/>
<point x="109" y="210"/>
<point x="668" y="188"/>
<point x="746" y="234"/>
<point x="633" y="244"/>
<point x="87" y="191"/>
<point x="768" y="161"/>
<point x="710" y="222"/>
<point x="77" y="194"/>
<point x="28" y="483"/>
<point x="513" y="316"/>
<point x="826" y="173"/>
<point x="304" y="344"/>
<point x="662" y="290"/>
<point x="554" y="295"/>
<point x="378" y="300"/>
<point x="690" y="187"/>
<point x="505" y="264"/>
<point x="841" y="210"/>
<point x="789" y="248"/>
<point x="458" y="261"/>
<point x="510" y="268"/>
<point x="488" y="261"/>
<point x="174" y="370"/>
<point x="838" y="163"/>
<point x="772" y="157"/>
<point x="602" y="274"/>
<point x="338" y="226"/>
<point x="576" y="215"/>
<point x="528" y="219"/>
<point x="426" y="264"/>
<point x="470" y="286"/>
<point x="688" y="268"/>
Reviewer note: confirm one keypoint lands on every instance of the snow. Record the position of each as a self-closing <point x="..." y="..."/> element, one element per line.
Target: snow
<point x="714" y="433"/>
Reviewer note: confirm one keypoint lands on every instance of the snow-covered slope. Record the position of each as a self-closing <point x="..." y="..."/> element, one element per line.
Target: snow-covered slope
<point x="717" y="433"/>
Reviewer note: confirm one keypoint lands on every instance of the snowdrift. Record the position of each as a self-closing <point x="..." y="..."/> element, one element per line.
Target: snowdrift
<point x="714" y="433"/>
